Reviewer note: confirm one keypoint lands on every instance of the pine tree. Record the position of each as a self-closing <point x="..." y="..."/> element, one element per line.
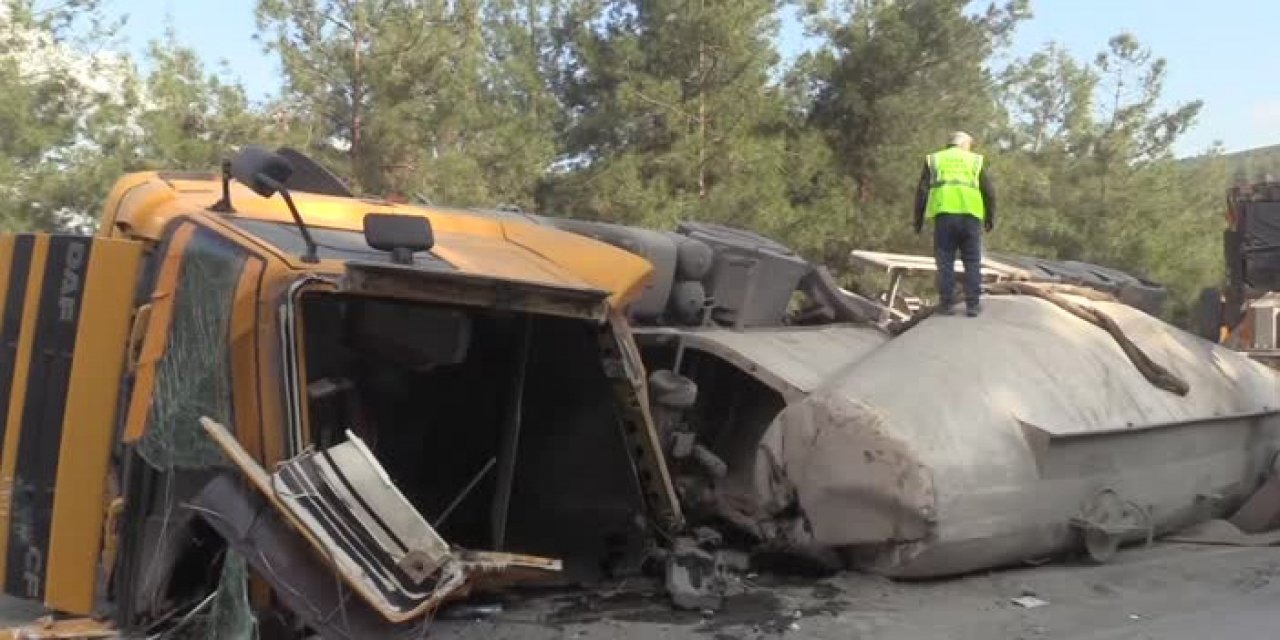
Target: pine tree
<point x="179" y="116"/>
<point x="446" y="101"/>
<point x="895" y="77"/>
<point x="673" y="113"/>
<point x="325" y="46"/>
<point x="57" y="83"/>
<point x="192" y="118"/>
<point x="1100" y="180"/>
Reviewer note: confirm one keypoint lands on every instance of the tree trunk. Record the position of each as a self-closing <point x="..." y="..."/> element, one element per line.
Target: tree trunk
<point x="531" y="10"/>
<point x="702" y="105"/>
<point x="357" y="94"/>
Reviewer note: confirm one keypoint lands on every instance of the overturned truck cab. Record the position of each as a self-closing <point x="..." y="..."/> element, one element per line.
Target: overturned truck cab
<point x="263" y="371"/>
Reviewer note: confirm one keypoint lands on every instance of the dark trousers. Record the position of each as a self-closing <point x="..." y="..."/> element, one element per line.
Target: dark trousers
<point x="952" y="233"/>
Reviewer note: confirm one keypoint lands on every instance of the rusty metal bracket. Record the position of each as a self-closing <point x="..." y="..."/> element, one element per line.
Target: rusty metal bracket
<point x="625" y="370"/>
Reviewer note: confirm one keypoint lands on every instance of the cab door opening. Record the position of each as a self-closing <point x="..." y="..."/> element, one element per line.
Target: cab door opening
<point x="499" y="427"/>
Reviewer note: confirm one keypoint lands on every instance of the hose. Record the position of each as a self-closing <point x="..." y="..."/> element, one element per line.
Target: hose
<point x="1154" y="373"/>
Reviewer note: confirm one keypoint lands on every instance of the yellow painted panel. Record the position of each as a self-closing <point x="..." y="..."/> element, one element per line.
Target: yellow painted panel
<point x="18" y="390"/>
<point x="244" y="351"/>
<point x="89" y="424"/>
<point x="623" y="274"/>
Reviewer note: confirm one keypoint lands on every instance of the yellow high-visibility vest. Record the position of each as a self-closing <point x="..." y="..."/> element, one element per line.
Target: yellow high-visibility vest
<point x="953" y="186"/>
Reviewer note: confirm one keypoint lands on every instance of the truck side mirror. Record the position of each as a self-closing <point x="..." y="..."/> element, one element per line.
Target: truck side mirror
<point x="260" y="169"/>
<point x="266" y="172"/>
<point x="401" y="235"/>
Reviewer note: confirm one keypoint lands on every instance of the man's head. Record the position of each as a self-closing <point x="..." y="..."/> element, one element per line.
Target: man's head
<point x="960" y="139"/>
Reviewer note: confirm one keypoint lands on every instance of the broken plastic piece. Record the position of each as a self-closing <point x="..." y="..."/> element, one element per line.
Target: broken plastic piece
<point x="354" y="519"/>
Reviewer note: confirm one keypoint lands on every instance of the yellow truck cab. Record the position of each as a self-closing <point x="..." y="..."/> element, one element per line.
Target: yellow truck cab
<point x="412" y="396"/>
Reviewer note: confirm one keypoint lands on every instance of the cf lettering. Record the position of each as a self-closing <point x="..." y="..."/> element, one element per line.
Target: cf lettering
<point x="33" y="571"/>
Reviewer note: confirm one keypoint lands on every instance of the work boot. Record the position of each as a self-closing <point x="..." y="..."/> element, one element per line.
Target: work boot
<point x="973" y="310"/>
<point x="944" y="309"/>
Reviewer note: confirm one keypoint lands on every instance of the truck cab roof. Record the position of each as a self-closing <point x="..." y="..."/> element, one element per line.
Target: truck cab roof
<point x="142" y="205"/>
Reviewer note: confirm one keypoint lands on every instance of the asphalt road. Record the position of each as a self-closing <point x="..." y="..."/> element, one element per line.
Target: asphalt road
<point x="1167" y="592"/>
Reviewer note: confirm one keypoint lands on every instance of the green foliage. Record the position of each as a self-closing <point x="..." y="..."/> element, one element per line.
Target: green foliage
<point x="190" y="118"/>
<point x="643" y="112"/>
<point x="1097" y="180"/>
<point x="893" y="79"/>
<point x="1254" y="165"/>
<point x="74" y="118"/>
<point x="448" y="101"/>
<point x="673" y="114"/>
<point x="48" y="104"/>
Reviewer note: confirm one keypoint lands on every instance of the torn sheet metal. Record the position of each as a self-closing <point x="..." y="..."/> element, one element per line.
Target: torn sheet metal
<point x="320" y="594"/>
<point x="345" y="500"/>
<point x="312" y="589"/>
<point x="339" y="519"/>
<point x="349" y="476"/>
<point x="489" y="571"/>
<point x="626" y="373"/>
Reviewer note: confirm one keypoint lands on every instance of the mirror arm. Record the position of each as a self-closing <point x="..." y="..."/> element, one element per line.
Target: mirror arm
<point x="224" y="205"/>
<point x="310" y="256"/>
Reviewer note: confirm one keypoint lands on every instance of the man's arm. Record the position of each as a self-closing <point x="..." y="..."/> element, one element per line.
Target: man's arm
<point x="988" y="188"/>
<point x="922" y="197"/>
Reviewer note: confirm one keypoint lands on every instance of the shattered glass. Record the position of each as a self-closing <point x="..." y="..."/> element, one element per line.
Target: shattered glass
<point x="193" y="378"/>
<point x="231" y="616"/>
<point x="227" y="615"/>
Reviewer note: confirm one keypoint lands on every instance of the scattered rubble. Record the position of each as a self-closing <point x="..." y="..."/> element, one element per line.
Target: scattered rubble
<point x="693" y="579"/>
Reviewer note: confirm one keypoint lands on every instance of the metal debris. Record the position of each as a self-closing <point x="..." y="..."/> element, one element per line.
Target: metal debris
<point x="731" y="560"/>
<point x="692" y="579"/>
<point x="1028" y="602"/>
<point x="708" y="537"/>
<point x="471" y="611"/>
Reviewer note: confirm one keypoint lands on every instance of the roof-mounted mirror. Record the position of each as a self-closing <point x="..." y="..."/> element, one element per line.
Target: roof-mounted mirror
<point x="266" y="172"/>
<point x="261" y="169"/>
<point x="401" y="235"/>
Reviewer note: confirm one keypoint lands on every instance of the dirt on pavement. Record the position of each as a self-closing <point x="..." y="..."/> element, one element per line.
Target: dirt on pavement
<point x="1166" y="592"/>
